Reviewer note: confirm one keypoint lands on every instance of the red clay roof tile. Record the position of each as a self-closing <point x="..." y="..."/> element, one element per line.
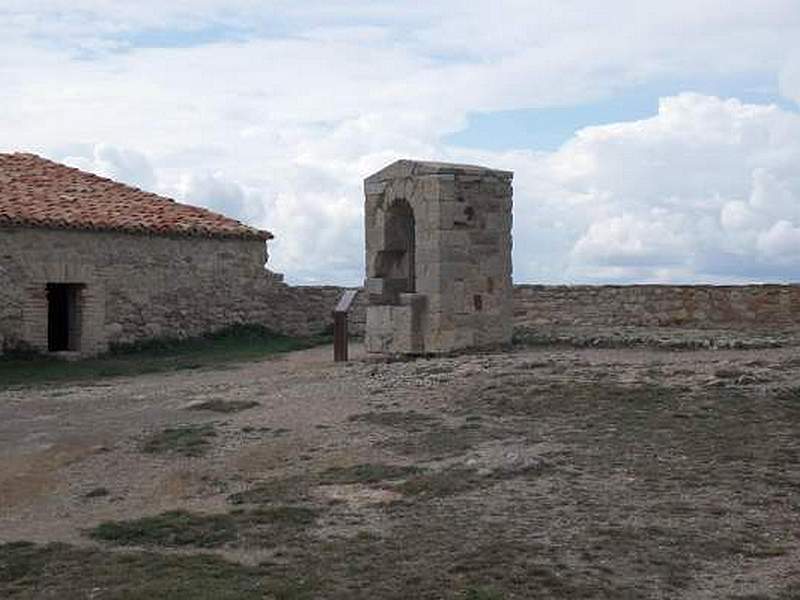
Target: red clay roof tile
<point x="36" y="192"/>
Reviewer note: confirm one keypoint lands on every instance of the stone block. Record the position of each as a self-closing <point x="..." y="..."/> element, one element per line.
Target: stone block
<point x="374" y="187"/>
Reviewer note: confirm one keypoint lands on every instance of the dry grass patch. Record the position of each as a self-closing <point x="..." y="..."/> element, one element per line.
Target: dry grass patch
<point x="441" y="442"/>
<point x="367" y="473"/>
<point x="185" y="440"/>
<point x="442" y="483"/>
<point x="409" y="420"/>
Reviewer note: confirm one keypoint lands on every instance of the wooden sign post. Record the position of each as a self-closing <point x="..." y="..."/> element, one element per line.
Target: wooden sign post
<point x="340" y="325"/>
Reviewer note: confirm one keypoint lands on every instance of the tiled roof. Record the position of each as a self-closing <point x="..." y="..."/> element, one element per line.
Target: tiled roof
<point x="36" y="192"/>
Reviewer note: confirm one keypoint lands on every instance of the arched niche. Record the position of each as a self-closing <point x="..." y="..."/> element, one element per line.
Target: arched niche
<point x="395" y="260"/>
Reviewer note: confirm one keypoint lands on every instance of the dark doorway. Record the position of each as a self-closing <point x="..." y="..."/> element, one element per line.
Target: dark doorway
<point x="63" y="317"/>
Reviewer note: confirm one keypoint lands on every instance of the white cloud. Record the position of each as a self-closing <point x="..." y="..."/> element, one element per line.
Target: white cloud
<point x="627" y="240"/>
<point x="781" y="242"/>
<point x="120" y="164"/>
<point x="737" y="216"/>
<point x="707" y="190"/>
<point x="789" y="78"/>
<point x="216" y="193"/>
<point x="278" y="122"/>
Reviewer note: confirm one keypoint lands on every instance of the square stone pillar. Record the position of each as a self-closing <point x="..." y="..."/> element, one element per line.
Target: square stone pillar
<point x="438" y="258"/>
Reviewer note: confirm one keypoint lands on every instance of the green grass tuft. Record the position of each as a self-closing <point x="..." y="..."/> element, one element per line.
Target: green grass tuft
<point x="267" y="525"/>
<point x="235" y="344"/>
<point x="170" y="529"/>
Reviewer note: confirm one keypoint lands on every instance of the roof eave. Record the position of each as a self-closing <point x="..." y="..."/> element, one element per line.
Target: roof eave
<point x="254" y="234"/>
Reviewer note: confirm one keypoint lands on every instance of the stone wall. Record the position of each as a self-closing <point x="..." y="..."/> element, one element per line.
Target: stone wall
<point x="745" y="307"/>
<point x="690" y="306"/>
<point x="134" y="287"/>
<point x="318" y="302"/>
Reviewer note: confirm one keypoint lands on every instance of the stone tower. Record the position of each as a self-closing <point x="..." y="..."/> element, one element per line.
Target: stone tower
<point x="438" y="257"/>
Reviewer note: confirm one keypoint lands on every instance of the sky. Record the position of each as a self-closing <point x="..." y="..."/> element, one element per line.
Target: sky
<point x="651" y="141"/>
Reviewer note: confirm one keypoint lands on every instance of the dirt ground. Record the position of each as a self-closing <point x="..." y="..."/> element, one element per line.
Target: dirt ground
<point x="535" y="473"/>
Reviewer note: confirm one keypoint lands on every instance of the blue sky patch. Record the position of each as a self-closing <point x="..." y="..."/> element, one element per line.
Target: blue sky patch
<point x="183" y="38"/>
<point x="546" y="129"/>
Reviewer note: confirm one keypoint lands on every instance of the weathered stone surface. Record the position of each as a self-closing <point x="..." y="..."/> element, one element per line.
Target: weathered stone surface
<point x="689" y="306"/>
<point x="551" y="310"/>
<point x="139" y="286"/>
<point x="442" y="232"/>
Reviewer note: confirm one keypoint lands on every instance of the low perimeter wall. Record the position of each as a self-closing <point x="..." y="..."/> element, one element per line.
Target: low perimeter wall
<point x="690" y="306"/>
<point x="755" y="307"/>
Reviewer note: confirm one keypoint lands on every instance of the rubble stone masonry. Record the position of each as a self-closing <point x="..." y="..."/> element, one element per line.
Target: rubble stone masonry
<point x="770" y="307"/>
<point x="134" y="287"/>
<point x="690" y="306"/>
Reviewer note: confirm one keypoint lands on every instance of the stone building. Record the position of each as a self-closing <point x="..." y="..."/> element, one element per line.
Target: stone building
<point x="438" y="258"/>
<point x="86" y="263"/>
